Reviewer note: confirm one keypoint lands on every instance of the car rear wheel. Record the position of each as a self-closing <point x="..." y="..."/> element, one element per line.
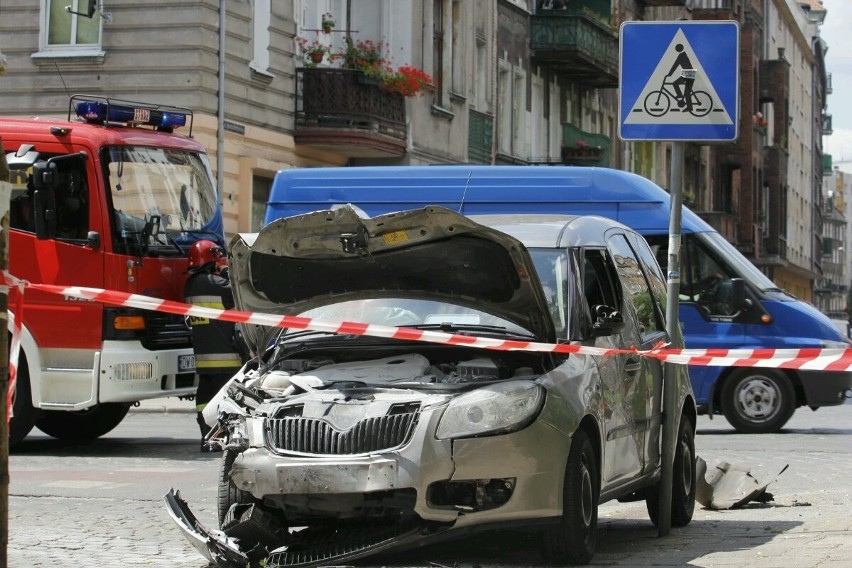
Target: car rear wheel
<point x="758" y="401"/>
<point x="683" y="479"/>
<point x="23" y="414"/>
<point x="85" y="425"/>
<point x="229" y="494"/>
<point x="574" y="538"/>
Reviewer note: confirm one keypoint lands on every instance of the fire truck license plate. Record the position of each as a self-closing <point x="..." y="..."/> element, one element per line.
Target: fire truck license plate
<point x="186" y="363"/>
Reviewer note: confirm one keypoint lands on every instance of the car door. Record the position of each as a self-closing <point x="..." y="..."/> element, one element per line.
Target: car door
<point x="645" y="328"/>
<point x="622" y="453"/>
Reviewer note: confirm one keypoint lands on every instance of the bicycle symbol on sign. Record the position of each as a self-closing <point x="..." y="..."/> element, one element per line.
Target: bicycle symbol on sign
<point x="660" y="102"/>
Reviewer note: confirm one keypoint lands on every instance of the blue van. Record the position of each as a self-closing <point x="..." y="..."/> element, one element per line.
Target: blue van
<point x="725" y="301"/>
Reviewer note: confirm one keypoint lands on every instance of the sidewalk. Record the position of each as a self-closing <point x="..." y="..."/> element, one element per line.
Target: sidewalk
<point x="168" y="405"/>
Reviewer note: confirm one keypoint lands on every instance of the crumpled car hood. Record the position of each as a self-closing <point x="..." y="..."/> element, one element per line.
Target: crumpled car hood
<point x="303" y="262"/>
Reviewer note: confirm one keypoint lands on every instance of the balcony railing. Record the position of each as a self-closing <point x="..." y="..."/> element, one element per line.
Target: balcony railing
<point x="579" y="41"/>
<point x="344" y="111"/>
<point x="711" y="4"/>
<point x="581" y="148"/>
<point x="826" y="125"/>
<point x="664" y="2"/>
<point x="479" y="138"/>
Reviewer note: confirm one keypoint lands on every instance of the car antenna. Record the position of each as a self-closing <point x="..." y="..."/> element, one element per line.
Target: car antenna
<point x="464" y="193"/>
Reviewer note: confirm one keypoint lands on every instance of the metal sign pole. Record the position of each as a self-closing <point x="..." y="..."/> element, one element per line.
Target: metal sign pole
<point x="670" y="410"/>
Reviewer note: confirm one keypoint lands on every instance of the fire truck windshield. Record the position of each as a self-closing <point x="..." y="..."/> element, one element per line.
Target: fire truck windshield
<point x="160" y="197"/>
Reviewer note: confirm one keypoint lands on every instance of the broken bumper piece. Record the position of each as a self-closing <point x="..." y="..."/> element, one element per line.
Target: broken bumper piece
<point x="307" y="547"/>
<point x="215" y="546"/>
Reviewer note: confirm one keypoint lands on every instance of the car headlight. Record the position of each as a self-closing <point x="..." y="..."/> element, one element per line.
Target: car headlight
<point x="500" y="407"/>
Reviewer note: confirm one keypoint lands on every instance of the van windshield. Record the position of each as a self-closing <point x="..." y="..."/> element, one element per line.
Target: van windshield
<point x="710" y="252"/>
<point x="173" y="188"/>
<point x="740" y="264"/>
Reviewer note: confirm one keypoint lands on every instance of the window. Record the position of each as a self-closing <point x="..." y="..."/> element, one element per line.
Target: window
<point x="260" y="35"/>
<point x="260" y="188"/>
<point x="636" y="287"/>
<point x="599" y="285"/>
<point x="456" y="60"/>
<point x="438" y="49"/>
<point x="65" y="33"/>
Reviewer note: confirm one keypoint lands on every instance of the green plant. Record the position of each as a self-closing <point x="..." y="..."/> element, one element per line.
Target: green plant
<point x="313" y="51"/>
<point x="367" y="56"/>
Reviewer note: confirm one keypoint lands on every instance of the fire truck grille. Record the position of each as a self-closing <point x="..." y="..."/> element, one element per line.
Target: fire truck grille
<point x="166" y="331"/>
<point x="316" y="436"/>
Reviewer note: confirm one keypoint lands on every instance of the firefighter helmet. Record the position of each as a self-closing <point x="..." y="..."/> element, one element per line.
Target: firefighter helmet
<point x="204" y="252"/>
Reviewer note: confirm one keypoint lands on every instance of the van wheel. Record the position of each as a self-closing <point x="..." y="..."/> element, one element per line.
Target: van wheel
<point x="758" y="401"/>
<point x="84" y="425"/>
<point x="229" y="494"/>
<point x="683" y="479"/>
<point x="24" y="415"/>
<point x="574" y="538"/>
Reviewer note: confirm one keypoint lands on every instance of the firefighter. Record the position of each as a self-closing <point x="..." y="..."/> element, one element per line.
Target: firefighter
<point x="215" y="342"/>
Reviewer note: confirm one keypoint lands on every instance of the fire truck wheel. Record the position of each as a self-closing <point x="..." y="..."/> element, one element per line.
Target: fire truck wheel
<point x="24" y="415"/>
<point x="85" y="425"/>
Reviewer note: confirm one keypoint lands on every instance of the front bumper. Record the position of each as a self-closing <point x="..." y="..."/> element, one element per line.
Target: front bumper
<point x="825" y="388"/>
<point x="128" y="372"/>
<point x="533" y="459"/>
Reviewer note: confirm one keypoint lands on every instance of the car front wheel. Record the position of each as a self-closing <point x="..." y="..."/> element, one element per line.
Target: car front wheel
<point x="683" y="479"/>
<point x="758" y="401"/>
<point x="229" y="494"/>
<point x="574" y="538"/>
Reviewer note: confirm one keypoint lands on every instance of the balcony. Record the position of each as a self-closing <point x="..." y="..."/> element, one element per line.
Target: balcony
<point x="664" y="2"/>
<point x="712" y="9"/>
<point x="826" y="125"/>
<point x="578" y="41"/>
<point x="581" y="148"/>
<point x="343" y="111"/>
<point x="479" y="138"/>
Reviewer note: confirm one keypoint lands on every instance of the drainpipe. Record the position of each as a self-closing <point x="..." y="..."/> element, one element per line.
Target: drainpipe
<point x="220" y="128"/>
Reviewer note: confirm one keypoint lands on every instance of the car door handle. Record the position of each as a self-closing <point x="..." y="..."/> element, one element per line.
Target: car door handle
<point x="632" y="367"/>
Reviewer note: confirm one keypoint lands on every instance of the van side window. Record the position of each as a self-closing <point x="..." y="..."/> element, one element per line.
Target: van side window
<point x="599" y="283"/>
<point x="636" y="287"/>
<point x="705" y="281"/>
<point x="71" y="196"/>
<point x="72" y="205"/>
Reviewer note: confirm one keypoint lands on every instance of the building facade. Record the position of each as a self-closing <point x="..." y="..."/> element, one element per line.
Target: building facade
<point x="509" y="82"/>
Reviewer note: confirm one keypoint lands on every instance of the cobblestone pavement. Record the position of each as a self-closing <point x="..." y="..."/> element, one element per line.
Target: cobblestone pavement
<point x="93" y="507"/>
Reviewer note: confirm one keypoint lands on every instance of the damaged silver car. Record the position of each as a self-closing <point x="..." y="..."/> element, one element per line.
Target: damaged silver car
<point x="341" y="445"/>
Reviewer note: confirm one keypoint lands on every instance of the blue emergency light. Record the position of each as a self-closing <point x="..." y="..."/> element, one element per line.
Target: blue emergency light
<point x="101" y="110"/>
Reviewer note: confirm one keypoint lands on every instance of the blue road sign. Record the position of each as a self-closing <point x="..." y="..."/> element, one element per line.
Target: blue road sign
<point x="679" y="81"/>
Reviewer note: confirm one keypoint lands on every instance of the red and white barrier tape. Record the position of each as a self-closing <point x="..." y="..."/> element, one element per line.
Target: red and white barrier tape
<point x="831" y="359"/>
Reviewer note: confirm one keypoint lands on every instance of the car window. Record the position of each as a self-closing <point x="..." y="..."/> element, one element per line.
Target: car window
<point x="551" y="265"/>
<point x="600" y="286"/>
<point x="656" y="279"/>
<point x="636" y="287"/>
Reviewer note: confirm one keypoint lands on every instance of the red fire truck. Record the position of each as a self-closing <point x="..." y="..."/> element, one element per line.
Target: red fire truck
<point x="110" y="199"/>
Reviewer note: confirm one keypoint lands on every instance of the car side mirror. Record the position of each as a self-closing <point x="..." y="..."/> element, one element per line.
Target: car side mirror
<point x="607" y="321"/>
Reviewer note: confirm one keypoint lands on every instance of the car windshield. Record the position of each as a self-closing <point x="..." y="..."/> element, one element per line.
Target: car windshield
<point x="409" y="312"/>
<point x="172" y="187"/>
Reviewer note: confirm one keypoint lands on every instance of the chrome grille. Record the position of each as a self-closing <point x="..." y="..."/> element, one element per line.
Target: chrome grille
<point x="316" y="436"/>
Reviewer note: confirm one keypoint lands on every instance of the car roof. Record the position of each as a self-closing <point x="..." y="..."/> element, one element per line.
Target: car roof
<point x="550" y="231"/>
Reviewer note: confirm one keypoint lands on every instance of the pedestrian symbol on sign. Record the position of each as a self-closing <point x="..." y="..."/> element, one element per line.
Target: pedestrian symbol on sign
<point x="678" y="91"/>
